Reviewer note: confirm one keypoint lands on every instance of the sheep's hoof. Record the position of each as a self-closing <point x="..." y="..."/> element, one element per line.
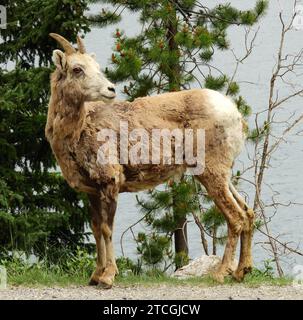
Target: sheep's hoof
<point x="107" y="279"/>
<point x="94" y="279"/>
<point x="102" y="282"/>
<point x="105" y="283"/>
<point x="218" y="277"/>
<point x="240" y="273"/>
<point x="93" y="282"/>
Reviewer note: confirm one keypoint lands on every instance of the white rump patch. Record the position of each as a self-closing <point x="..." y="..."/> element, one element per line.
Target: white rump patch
<point x="228" y="115"/>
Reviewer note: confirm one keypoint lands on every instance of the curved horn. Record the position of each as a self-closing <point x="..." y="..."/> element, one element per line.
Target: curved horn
<point x="81" y="45"/>
<point x="69" y="49"/>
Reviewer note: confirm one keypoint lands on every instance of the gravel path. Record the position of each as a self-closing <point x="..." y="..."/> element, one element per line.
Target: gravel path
<point x="157" y="292"/>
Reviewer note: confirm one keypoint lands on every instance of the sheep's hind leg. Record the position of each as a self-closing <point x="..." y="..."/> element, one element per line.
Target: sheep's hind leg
<point x="245" y="262"/>
<point x="217" y="188"/>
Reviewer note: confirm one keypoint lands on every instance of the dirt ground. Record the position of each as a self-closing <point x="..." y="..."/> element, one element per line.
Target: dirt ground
<point x="156" y="292"/>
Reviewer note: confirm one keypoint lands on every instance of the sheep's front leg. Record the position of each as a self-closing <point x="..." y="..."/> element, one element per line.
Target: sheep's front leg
<point x="109" y="195"/>
<point x="96" y="222"/>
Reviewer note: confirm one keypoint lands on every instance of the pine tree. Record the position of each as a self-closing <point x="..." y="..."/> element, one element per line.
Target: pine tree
<point x="163" y="212"/>
<point x="39" y="213"/>
<point x="178" y="39"/>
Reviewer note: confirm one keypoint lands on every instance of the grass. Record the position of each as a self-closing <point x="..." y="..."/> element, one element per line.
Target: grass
<point x="46" y="278"/>
<point x="36" y="276"/>
<point x="76" y="271"/>
<point x="207" y="281"/>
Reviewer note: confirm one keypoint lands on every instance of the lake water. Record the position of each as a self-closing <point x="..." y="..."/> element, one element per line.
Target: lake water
<point x="285" y="175"/>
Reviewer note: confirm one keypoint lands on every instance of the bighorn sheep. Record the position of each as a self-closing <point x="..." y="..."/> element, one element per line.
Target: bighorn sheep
<point x="82" y="103"/>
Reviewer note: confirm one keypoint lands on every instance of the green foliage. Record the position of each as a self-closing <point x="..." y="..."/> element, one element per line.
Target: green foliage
<point x="226" y="15"/>
<point x="181" y="259"/>
<point x="243" y="107"/>
<point x="105" y="18"/>
<point x="213" y="218"/>
<point x="215" y="83"/>
<point x="172" y="33"/>
<point x="128" y="267"/>
<point x="79" y="262"/>
<point x="176" y="202"/>
<point x="259" y="133"/>
<point x="76" y="268"/>
<point x="153" y="249"/>
<point x="38" y="211"/>
<point x="163" y="212"/>
<point x="214" y="221"/>
<point x="30" y="22"/>
<point x="267" y="271"/>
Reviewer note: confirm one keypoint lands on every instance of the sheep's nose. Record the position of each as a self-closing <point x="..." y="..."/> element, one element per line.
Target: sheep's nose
<point x="112" y="89"/>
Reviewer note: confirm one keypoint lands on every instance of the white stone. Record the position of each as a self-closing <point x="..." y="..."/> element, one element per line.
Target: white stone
<point x="200" y="267"/>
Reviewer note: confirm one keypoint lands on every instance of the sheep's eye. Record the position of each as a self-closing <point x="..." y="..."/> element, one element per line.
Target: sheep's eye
<point x="77" y="70"/>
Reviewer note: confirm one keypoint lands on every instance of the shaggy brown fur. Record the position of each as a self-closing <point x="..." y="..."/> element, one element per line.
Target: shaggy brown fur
<point x="72" y="129"/>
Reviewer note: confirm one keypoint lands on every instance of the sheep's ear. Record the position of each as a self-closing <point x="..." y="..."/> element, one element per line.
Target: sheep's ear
<point x="93" y="55"/>
<point x="59" y="60"/>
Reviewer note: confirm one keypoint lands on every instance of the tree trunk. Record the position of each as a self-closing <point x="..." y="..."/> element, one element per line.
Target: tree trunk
<point x="214" y="240"/>
<point x="181" y="237"/>
<point x="174" y="78"/>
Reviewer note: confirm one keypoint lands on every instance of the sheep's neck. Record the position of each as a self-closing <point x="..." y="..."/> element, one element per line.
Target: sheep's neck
<point x="67" y="114"/>
<point x="71" y="117"/>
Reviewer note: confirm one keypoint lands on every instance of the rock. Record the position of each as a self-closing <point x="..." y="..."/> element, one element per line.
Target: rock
<point x="200" y="267"/>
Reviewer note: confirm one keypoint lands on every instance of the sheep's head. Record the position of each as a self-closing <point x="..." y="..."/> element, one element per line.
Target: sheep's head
<point x="82" y="71"/>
